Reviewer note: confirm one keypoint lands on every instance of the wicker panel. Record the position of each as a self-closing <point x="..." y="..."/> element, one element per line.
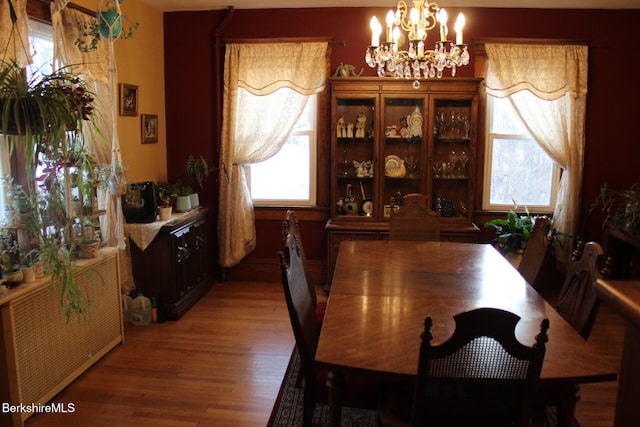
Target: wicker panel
<point x="51" y="350"/>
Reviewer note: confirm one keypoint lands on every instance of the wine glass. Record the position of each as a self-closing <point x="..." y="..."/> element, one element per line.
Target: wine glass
<point x="436" y="165"/>
<point x="412" y="165"/>
<point x="453" y="159"/>
<point x="464" y="159"/>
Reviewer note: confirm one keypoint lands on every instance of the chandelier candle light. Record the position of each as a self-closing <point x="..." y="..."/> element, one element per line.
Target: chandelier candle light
<point x="416" y="61"/>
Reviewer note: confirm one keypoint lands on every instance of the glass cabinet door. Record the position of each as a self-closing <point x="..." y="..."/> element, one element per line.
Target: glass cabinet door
<point x="354" y="148"/>
<point x="450" y="158"/>
<point x="403" y="148"/>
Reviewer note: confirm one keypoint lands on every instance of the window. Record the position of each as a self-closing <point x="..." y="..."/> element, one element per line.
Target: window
<point x="517" y="170"/>
<point x="289" y="177"/>
<point x="41" y="43"/>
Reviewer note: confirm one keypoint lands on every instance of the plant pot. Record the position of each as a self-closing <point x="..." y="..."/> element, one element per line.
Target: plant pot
<point x="195" y="200"/>
<point x="38" y="269"/>
<point x="183" y="204"/>
<point x="28" y="274"/>
<point x="13" y="278"/>
<point x="89" y="249"/>
<point x="117" y="188"/>
<point x="110" y="24"/>
<point x="165" y="213"/>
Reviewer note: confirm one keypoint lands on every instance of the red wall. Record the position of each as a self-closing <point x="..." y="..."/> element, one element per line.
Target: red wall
<point x="612" y="149"/>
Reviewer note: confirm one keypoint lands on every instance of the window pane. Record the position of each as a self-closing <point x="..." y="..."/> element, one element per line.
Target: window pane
<point x="285" y="175"/>
<point x="520" y="171"/>
<point x="288" y="177"/>
<point x="516" y="169"/>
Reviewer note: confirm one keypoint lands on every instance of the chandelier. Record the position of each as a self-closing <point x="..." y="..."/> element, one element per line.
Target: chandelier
<point x="416" y="61"/>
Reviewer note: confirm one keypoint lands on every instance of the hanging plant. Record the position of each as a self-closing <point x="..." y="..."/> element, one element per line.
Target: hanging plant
<point x="109" y="23"/>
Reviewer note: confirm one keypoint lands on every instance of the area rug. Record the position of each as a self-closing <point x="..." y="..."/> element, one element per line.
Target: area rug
<point x="287" y="410"/>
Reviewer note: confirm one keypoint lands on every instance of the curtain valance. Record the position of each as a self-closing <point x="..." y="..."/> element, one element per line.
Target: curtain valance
<point x="298" y="66"/>
<point x="547" y="71"/>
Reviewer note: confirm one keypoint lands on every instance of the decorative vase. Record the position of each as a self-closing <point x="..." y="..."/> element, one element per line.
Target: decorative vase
<point x="183" y="204"/>
<point x="165" y="213"/>
<point x="110" y="23"/>
<point x="195" y="200"/>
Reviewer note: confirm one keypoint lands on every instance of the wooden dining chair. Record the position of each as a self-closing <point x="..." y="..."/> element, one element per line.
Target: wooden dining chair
<point x="360" y="391"/>
<point x="414" y="220"/>
<point x="537" y="251"/>
<point x="481" y="376"/>
<point x="577" y="301"/>
<point x="290" y="226"/>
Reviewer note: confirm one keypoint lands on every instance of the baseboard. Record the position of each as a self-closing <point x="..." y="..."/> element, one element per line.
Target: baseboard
<point x="267" y="270"/>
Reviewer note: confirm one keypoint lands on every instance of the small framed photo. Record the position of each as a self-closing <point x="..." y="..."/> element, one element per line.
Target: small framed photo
<point x="149" y="124"/>
<point x="128" y="100"/>
<point x="388" y="208"/>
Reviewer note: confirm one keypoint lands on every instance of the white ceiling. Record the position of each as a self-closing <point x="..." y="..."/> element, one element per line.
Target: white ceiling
<point x="178" y="5"/>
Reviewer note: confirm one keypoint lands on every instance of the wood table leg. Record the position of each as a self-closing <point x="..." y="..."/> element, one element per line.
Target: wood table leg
<point x="567" y="405"/>
<point x="335" y="384"/>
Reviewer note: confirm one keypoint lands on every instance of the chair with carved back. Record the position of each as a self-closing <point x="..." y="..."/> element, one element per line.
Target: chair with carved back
<point x="537" y="251"/>
<point x="414" y="220"/>
<point x="360" y="392"/>
<point x="481" y="376"/>
<point x="290" y="226"/>
<point x="577" y="301"/>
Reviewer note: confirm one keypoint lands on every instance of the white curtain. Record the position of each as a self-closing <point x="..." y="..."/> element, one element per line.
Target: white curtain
<point x="547" y="85"/>
<point x="266" y="87"/>
<point x="14" y="38"/>
<point x="97" y="68"/>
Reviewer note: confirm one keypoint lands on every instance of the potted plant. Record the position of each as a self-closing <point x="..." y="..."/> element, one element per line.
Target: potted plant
<point x="108" y="24"/>
<point x="10" y="259"/>
<point x="513" y="231"/>
<point x="166" y="197"/>
<point x="196" y="172"/>
<point x="183" y="199"/>
<point x="621" y="209"/>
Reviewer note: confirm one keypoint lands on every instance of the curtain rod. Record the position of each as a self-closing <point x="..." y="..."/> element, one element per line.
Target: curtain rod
<point x="329" y="40"/>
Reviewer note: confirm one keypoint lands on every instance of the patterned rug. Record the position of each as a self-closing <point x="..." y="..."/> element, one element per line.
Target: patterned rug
<point x="287" y="411"/>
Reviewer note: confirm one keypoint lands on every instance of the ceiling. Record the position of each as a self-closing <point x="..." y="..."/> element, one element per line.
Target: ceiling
<point x="181" y="5"/>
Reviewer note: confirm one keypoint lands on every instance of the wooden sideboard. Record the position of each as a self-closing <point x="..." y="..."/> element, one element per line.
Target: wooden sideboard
<point x="623" y="246"/>
<point x="41" y="351"/>
<point x="174" y="266"/>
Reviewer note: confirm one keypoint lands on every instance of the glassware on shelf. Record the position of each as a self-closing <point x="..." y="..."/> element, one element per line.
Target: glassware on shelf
<point x="436" y="165"/>
<point x="412" y="165"/>
<point x="453" y="162"/>
<point x="464" y="159"/>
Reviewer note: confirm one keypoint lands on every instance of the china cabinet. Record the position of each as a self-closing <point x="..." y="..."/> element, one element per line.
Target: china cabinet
<point x="389" y="140"/>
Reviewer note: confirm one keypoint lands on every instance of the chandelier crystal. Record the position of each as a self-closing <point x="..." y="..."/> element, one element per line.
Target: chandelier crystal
<point x="409" y="29"/>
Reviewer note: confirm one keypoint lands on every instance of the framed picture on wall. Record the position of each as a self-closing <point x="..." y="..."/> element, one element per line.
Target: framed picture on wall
<point x="149" y="123"/>
<point x="128" y="100"/>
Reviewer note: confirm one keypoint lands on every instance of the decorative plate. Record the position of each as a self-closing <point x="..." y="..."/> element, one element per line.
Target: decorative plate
<point x="394" y="167"/>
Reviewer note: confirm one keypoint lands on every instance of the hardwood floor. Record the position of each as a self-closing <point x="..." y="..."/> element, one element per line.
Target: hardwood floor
<point x="222" y="363"/>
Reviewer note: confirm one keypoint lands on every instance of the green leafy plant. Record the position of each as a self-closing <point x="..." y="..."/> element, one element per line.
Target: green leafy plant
<point x="512" y="232"/>
<point x="621" y="209"/>
<point x="196" y="172"/>
<point x="166" y="193"/>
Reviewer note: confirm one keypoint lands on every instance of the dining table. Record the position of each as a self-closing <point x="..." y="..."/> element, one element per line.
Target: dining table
<point x="382" y="290"/>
